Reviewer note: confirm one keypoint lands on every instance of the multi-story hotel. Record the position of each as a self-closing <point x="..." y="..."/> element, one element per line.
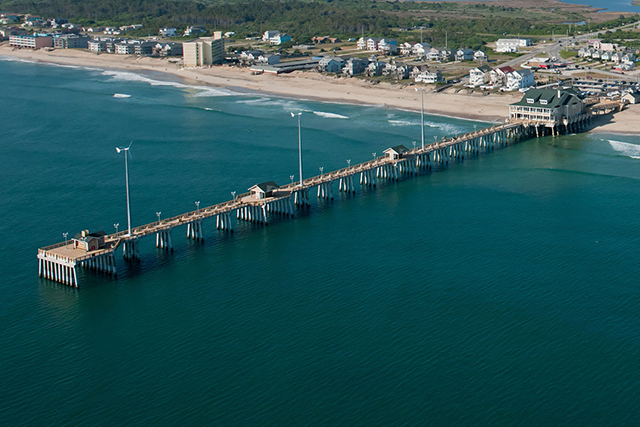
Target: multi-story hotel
<point x="204" y="51"/>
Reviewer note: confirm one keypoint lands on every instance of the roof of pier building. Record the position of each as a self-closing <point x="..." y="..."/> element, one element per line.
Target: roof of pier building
<point x="85" y="234"/>
<point x="398" y="150"/>
<point x="265" y="187"/>
<point x="548" y="98"/>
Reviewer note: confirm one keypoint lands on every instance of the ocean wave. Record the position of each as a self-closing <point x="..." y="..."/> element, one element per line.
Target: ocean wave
<point x="121" y="95"/>
<point x="285" y="104"/>
<point x="625" y="148"/>
<point x="329" y="115"/>
<point x="203" y="91"/>
<point x="14" y="59"/>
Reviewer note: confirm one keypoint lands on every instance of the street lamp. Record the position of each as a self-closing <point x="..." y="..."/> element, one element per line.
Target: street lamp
<point x="233" y="195"/>
<point x="116" y="225"/>
<point x="374" y="155"/>
<point x="158" y="215"/>
<point x="291" y="177"/>
<point x="65" y="239"/>
<point x="414" y="145"/>
<point x="348" y="162"/>
<point x="126" y="176"/>
<point x="299" y="145"/>
<point x="198" y="207"/>
<point x="321" y="170"/>
<point x="421" y="114"/>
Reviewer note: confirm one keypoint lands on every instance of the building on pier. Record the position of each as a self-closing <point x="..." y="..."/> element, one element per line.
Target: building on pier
<point x="264" y="190"/>
<point x="88" y="241"/>
<point x="396" y="152"/>
<point x="548" y="107"/>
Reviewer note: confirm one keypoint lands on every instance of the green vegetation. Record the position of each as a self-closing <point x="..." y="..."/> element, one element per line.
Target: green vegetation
<point x="566" y="54"/>
<point x="458" y="24"/>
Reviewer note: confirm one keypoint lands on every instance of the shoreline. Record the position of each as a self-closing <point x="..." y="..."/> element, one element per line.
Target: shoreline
<point x="317" y="87"/>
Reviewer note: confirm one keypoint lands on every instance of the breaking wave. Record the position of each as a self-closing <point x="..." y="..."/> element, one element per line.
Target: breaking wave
<point x="121" y="95"/>
<point x="625" y="148"/>
<point x="203" y="91"/>
<point x="329" y="115"/>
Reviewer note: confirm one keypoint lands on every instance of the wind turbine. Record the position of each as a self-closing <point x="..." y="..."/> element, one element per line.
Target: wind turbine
<point x="126" y="176"/>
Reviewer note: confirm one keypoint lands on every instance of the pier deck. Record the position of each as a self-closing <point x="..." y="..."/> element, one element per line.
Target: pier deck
<point x="58" y="262"/>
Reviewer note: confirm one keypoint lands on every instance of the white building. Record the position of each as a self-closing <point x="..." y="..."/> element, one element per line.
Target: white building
<point x="388" y="46"/>
<point x="464" y="55"/>
<point x="519" y="79"/>
<point x="269" y="34"/>
<point x="429" y="77"/>
<point x="479" y="76"/>
<point x="331" y="64"/>
<point x="480" y="56"/>
<point x="511" y="45"/>
<point x="168" y="32"/>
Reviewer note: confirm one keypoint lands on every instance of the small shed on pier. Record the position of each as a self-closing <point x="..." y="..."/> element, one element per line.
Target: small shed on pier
<point x="88" y="241"/>
<point x="396" y="152"/>
<point x="264" y="190"/>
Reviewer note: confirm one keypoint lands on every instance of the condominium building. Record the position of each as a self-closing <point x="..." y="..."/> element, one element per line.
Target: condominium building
<point x="204" y="51"/>
<point x="31" y="41"/>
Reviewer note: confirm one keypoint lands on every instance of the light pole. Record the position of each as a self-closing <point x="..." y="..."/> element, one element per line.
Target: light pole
<point x="349" y="163"/>
<point x="126" y="177"/>
<point x="158" y="215"/>
<point x="321" y="171"/>
<point x="65" y="239"/>
<point x="198" y="207"/>
<point x="233" y="195"/>
<point x="374" y="155"/>
<point x="291" y="177"/>
<point x="421" y="114"/>
<point x="435" y="139"/>
<point x="116" y="225"/>
<point x="414" y="145"/>
<point x="299" y="145"/>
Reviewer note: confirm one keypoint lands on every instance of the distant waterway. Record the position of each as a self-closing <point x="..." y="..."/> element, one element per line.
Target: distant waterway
<point x="609" y="5"/>
<point x="501" y="291"/>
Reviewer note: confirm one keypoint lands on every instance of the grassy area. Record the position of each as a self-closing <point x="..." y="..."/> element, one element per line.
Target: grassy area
<point x="566" y="54"/>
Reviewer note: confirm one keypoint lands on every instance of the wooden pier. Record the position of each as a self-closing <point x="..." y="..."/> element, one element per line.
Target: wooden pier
<point x="60" y="261"/>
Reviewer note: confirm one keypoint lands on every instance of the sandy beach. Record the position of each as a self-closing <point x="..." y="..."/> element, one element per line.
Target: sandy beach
<point x="315" y="86"/>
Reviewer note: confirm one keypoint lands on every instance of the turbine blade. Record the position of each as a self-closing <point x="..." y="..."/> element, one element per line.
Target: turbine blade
<point x="118" y="149"/>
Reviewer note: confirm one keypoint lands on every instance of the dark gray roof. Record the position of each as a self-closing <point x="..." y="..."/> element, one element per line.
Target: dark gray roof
<point x="265" y="186"/>
<point x="399" y="149"/>
<point x="550" y="96"/>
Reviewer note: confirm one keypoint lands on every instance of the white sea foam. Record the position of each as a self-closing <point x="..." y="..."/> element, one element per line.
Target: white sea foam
<point x="12" y="59"/>
<point x="133" y="77"/>
<point x="625" y="148"/>
<point x="121" y="95"/>
<point x="404" y="123"/>
<point x="329" y="115"/>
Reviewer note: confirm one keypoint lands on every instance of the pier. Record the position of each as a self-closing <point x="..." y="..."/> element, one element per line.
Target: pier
<point x="266" y="201"/>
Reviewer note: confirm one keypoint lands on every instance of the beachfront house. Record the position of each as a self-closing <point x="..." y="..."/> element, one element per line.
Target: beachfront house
<point x="417" y="70"/>
<point x="429" y="77"/>
<point x="331" y="64"/>
<point x="368" y="43"/>
<point x="355" y="66"/>
<point x="479" y="76"/>
<point x="511" y="45"/>
<point x="519" y="79"/>
<point x="499" y="75"/>
<point x="631" y="98"/>
<point x="375" y="68"/>
<point x="168" y="32"/>
<point x="464" y="55"/>
<point x="263" y="190"/>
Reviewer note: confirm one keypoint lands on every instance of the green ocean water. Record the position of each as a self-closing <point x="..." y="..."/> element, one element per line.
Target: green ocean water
<point x="500" y="291"/>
